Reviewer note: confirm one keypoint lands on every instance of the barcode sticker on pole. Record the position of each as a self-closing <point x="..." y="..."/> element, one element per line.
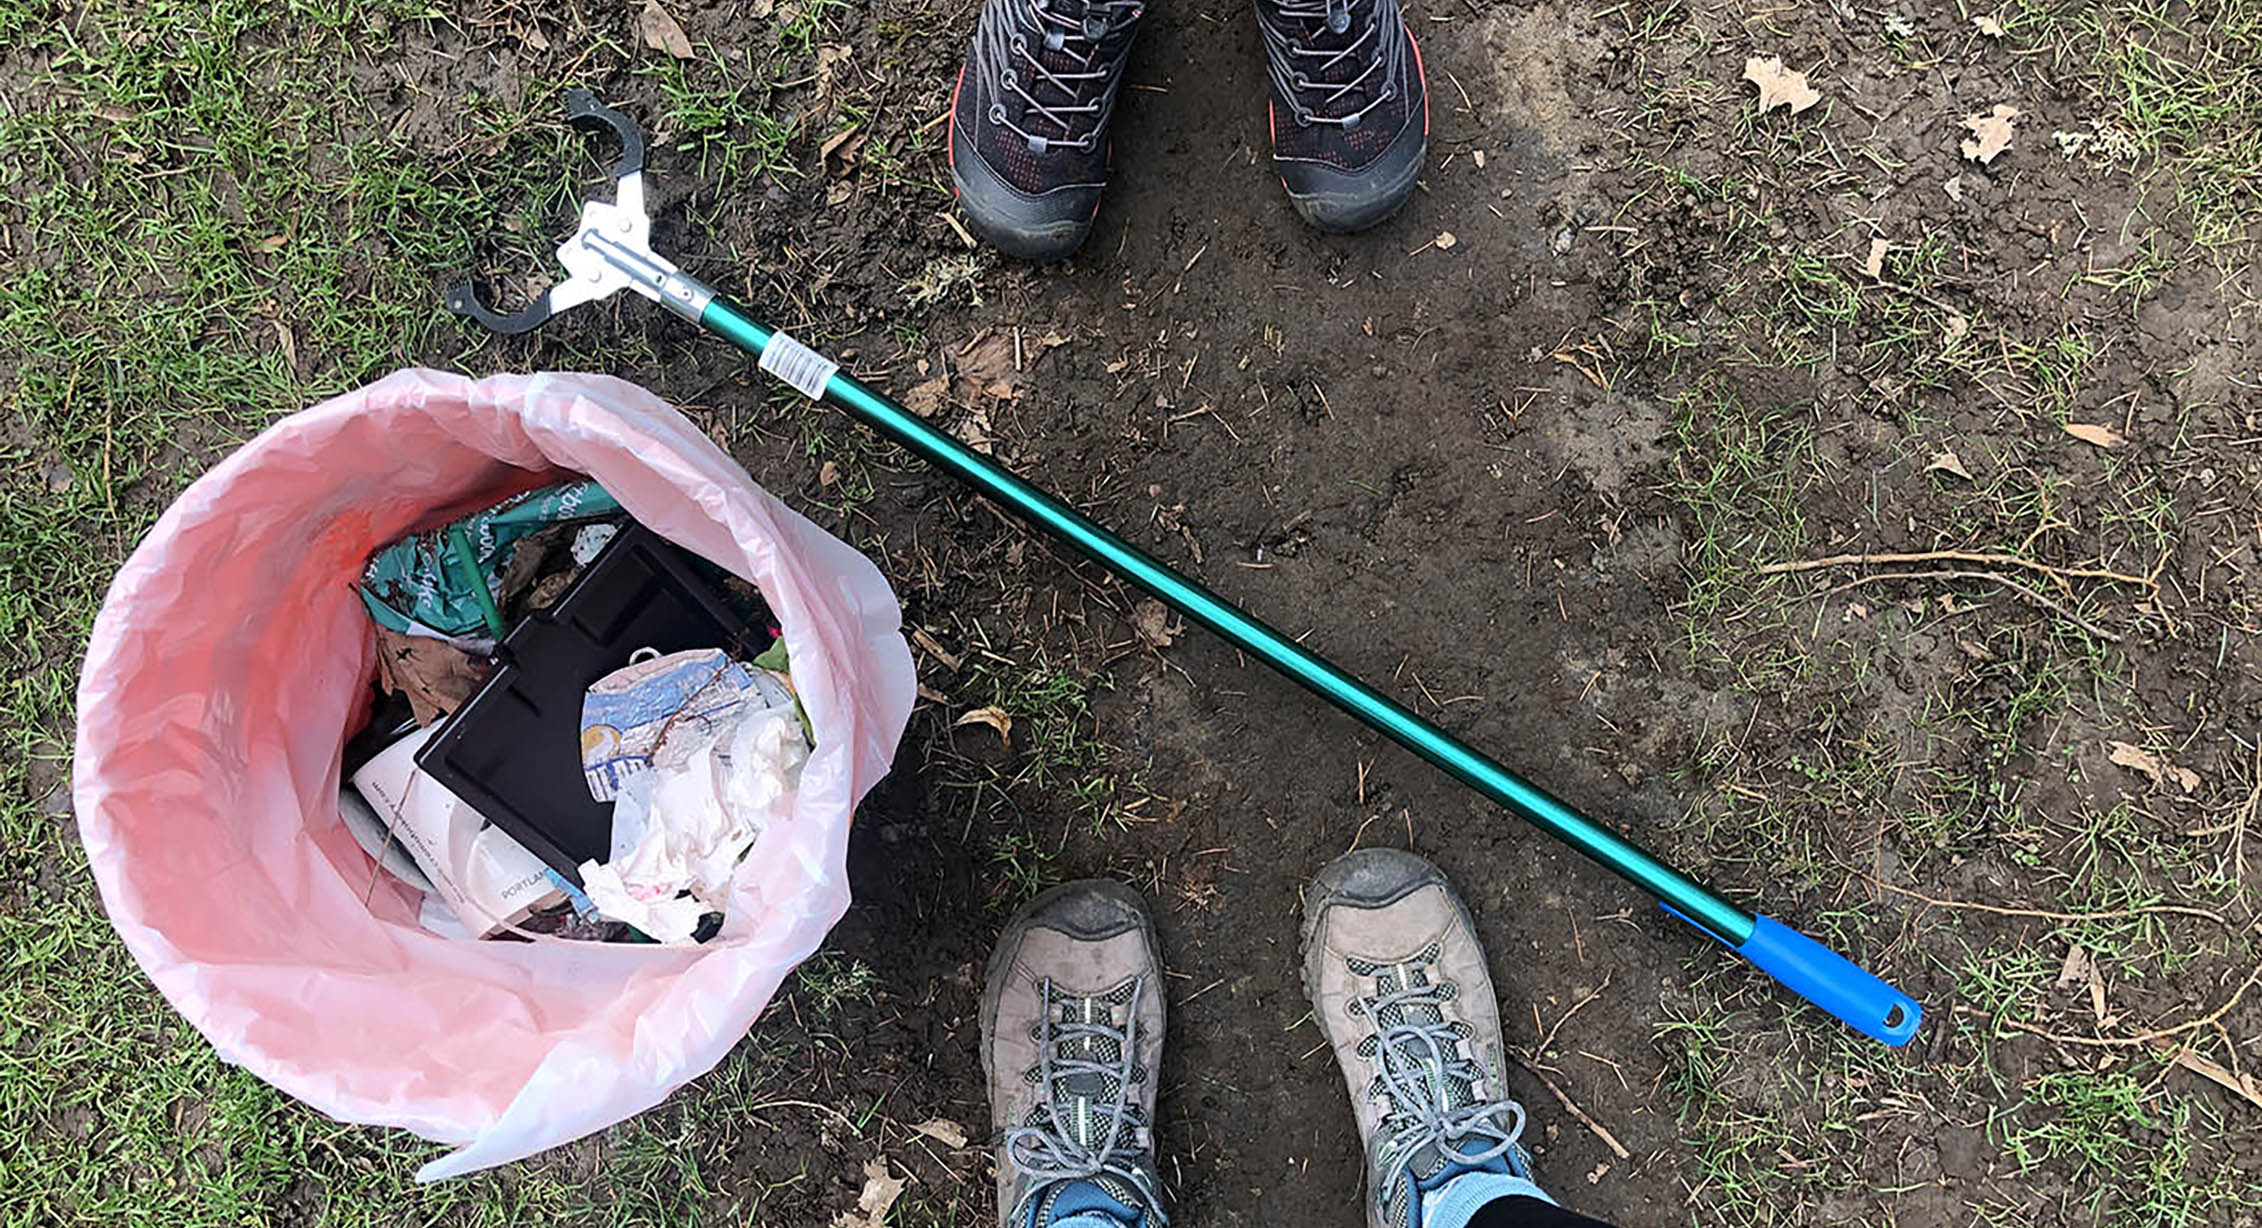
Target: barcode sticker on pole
<point x="806" y="369"/>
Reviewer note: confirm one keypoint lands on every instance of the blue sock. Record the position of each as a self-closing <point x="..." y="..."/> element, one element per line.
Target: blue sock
<point x="1082" y="1204"/>
<point x="1451" y="1197"/>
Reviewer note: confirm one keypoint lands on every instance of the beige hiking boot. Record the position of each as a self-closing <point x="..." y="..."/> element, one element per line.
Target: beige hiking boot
<point x="1072" y="1023"/>
<point x="1399" y="986"/>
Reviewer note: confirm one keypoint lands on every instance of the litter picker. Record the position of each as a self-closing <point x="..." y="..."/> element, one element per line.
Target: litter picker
<point x="611" y="251"/>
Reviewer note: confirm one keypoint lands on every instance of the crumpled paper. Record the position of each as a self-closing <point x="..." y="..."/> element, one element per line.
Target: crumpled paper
<point x="630" y="713"/>
<point x="680" y="829"/>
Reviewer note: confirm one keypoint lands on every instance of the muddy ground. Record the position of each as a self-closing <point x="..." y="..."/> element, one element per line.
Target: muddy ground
<point x="1522" y="455"/>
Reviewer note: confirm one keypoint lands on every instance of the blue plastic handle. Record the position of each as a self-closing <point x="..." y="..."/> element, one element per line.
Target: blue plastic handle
<point x="1827" y="979"/>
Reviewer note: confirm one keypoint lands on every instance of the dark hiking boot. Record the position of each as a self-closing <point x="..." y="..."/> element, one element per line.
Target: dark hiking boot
<point x="1350" y="110"/>
<point x="1028" y="122"/>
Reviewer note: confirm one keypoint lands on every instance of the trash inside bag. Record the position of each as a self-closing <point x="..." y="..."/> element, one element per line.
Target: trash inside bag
<point x="487" y="880"/>
<point x="699" y="754"/>
<point x="451" y="582"/>
<point x="233" y="660"/>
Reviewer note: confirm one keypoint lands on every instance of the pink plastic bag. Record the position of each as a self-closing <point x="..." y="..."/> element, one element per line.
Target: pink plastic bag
<point x="232" y="655"/>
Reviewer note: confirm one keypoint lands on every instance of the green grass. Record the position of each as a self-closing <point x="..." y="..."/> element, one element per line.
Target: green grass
<point x="831" y="983"/>
<point x="1740" y="473"/>
<point x="1058" y="751"/>
<point x="224" y="237"/>
<point x="2127" y="1145"/>
<point x="2180" y="103"/>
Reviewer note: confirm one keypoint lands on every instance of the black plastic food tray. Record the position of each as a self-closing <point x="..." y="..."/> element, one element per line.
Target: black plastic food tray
<point x="514" y="751"/>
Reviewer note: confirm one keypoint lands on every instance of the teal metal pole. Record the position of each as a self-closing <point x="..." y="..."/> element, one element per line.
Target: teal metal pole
<point x="1822" y="976"/>
<point x="872" y="408"/>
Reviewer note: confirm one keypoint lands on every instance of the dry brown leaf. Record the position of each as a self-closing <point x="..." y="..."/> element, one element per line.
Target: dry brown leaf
<point x="435" y="676"/>
<point x="1976" y="651"/>
<point x="2246" y="1086"/>
<point x="1946" y="461"/>
<point x="843" y="145"/>
<point x="117" y="114"/>
<point x="995" y="717"/>
<point x="2102" y="436"/>
<point x="533" y="35"/>
<point x="1444" y="240"/>
<point x="2075" y="971"/>
<point x="1957" y="328"/>
<point x="933" y="648"/>
<point x="830" y="56"/>
<point x="828" y="473"/>
<point x="943" y="1130"/>
<point x="287" y="342"/>
<point x="1874" y="264"/>
<point x="1954" y="187"/>
<point x="1779" y="86"/>
<point x="924" y="399"/>
<point x="986" y="368"/>
<point x="2162" y="771"/>
<point x="661" y="33"/>
<point x="1990" y="133"/>
<point x="877" y="1199"/>
<point x="973" y="430"/>
<point x="1988" y="26"/>
<point x="931" y="695"/>
<point x="1150" y="620"/>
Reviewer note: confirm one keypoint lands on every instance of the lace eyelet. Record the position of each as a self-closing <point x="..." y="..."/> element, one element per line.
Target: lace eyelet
<point x="997" y="112"/>
<point x="1008" y="79"/>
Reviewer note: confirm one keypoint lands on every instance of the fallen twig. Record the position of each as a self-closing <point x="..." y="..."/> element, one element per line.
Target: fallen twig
<point x="2038" y="598"/>
<point x="1959" y="556"/>
<point x="1608" y="1139"/>
<point x="1549" y="1039"/>
<point x="2117" y="914"/>
<point x="2143" y="1038"/>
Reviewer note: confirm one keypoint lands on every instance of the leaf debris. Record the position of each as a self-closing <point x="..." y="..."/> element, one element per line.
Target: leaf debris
<point x="995" y="717"/>
<point x="877" y="1199"/>
<point x="1779" y="86"/>
<point x="2162" y="771"/>
<point x="1946" y="461"/>
<point x="1874" y="265"/>
<point x="2096" y="433"/>
<point x="1991" y="133"/>
<point x="662" y="32"/>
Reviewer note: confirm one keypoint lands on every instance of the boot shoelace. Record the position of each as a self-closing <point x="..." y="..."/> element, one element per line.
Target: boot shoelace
<point x="1295" y="31"/>
<point x="1435" y="1090"/>
<point x="1080" y="97"/>
<point x="1091" y="1136"/>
